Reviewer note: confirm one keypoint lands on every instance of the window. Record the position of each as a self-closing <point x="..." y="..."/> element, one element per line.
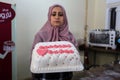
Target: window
<point x="113" y="18"/>
<point x="112" y="14"/>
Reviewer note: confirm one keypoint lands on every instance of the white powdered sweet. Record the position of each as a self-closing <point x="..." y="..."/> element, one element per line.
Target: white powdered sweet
<point x="59" y="56"/>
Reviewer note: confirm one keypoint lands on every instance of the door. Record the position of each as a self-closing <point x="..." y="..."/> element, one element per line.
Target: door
<point x="7" y="14"/>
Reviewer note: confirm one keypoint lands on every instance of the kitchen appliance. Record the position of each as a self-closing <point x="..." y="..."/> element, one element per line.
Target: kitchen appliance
<point x="102" y="38"/>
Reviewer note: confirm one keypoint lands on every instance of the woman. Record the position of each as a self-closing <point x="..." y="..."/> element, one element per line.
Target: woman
<point x="55" y="29"/>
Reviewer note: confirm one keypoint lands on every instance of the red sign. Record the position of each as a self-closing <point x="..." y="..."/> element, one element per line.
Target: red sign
<point x="6" y="16"/>
<point x="6" y="13"/>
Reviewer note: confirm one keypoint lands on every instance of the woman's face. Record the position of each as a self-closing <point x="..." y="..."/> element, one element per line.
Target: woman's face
<point x="57" y="18"/>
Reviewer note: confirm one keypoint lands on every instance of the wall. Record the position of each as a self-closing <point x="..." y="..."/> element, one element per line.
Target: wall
<point x="32" y="14"/>
<point x="96" y="14"/>
<point x="30" y="17"/>
<point x="100" y="11"/>
<point x="96" y="20"/>
<point x="91" y="14"/>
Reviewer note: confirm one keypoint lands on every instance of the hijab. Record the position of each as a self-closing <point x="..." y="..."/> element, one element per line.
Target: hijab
<point x="48" y="33"/>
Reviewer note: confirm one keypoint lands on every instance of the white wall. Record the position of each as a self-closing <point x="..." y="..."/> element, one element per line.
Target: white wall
<point x="96" y="14"/>
<point x="30" y="17"/>
<point x="32" y="14"/>
<point x="112" y="1"/>
<point x="100" y="11"/>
